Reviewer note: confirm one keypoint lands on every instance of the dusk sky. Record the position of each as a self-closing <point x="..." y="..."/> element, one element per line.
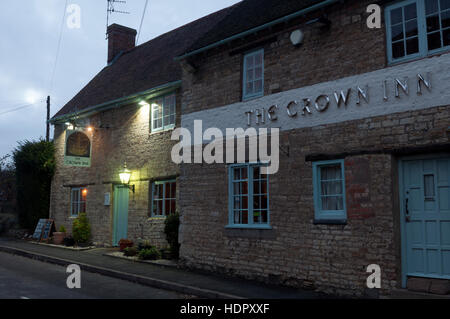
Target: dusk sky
<point x="30" y="30"/>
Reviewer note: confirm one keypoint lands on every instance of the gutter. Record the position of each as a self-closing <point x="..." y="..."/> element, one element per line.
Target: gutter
<point x="261" y="27"/>
<point x="118" y="102"/>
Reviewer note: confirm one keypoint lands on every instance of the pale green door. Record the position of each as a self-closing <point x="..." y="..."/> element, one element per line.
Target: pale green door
<point x="426" y="217"/>
<point x="120" y="222"/>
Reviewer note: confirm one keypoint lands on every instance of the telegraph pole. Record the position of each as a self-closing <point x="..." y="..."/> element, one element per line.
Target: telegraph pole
<point x="48" y="119"/>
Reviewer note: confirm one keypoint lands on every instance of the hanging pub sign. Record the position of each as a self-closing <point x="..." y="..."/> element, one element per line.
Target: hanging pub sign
<point x="78" y="149"/>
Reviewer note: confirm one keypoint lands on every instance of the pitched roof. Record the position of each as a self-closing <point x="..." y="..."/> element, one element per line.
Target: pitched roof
<point x="146" y="66"/>
<point x="249" y="14"/>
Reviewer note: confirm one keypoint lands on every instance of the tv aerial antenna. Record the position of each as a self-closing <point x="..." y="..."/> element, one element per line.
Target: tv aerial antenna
<point x="111" y="9"/>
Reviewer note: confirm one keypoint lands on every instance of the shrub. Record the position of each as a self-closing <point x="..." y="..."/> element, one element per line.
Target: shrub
<point x="69" y="241"/>
<point x="62" y="229"/>
<point x="172" y="224"/>
<point x="81" y="229"/>
<point x="125" y="243"/>
<point x="149" y="254"/>
<point x="35" y="167"/>
<point x="130" y="251"/>
<point x="145" y="244"/>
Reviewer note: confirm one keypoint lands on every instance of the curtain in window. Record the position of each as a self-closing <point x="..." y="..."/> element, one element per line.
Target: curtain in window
<point x="331" y="188"/>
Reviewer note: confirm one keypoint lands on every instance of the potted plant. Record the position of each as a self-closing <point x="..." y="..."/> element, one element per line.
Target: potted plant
<point x="81" y="230"/>
<point x="125" y="243"/>
<point x="58" y="237"/>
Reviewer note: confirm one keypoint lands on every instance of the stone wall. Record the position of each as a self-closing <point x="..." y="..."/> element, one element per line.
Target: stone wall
<point x="296" y="252"/>
<point x="121" y="134"/>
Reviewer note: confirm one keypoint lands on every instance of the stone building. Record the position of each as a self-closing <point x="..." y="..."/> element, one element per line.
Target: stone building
<point x="125" y="114"/>
<point x="361" y="116"/>
<point x="364" y="162"/>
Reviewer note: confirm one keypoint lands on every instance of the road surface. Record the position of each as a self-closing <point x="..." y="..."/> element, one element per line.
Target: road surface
<point x="24" y="278"/>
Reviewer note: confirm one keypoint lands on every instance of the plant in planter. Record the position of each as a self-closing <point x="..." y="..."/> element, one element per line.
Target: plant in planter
<point x="149" y="254"/>
<point x="58" y="237"/>
<point x="125" y="243"/>
<point x="69" y="241"/>
<point x="130" y="251"/>
<point x="144" y="244"/>
<point x="81" y="230"/>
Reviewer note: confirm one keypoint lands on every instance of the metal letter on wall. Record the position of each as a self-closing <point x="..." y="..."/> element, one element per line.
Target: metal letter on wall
<point x="78" y="149"/>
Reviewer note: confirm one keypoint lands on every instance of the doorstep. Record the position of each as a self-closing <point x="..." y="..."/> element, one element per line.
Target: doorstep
<point x="160" y="262"/>
<point x="63" y="247"/>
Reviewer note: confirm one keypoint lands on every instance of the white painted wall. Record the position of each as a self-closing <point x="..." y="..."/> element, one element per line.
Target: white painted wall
<point x="233" y="116"/>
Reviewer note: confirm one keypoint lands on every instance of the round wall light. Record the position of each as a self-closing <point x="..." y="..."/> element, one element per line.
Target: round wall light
<point x="297" y="37"/>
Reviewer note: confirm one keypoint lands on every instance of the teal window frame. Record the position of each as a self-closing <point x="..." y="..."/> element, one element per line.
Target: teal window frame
<point x="163" y="199"/>
<point x="421" y="29"/>
<point x="328" y="216"/>
<point x="78" y="201"/>
<point x="153" y="104"/>
<point x="245" y="95"/>
<point x="250" y="180"/>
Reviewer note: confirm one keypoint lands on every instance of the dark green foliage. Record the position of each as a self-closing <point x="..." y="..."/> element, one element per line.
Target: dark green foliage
<point x="81" y="230"/>
<point x="35" y="166"/>
<point x="172" y="224"/>
<point x="130" y="251"/>
<point x="69" y="241"/>
<point x="144" y="245"/>
<point x="149" y="254"/>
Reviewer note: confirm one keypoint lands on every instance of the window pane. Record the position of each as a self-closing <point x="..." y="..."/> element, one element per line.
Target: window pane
<point x="250" y="75"/>
<point x="237" y="217"/>
<point x="256" y="217"/>
<point x="330" y="172"/>
<point x="412" y="46"/>
<point x="237" y="174"/>
<point x="434" y="41"/>
<point x="258" y="86"/>
<point x="244" y="215"/>
<point x="410" y="12"/>
<point x="332" y="203"/>
<point x="445" y="19"/>
<point x="249" y="88"/>
<point x="445" y="4"/>
<point x="167" y="190"/>
<point x="398" y="50"/>
<point x="258" y="59"/>
<point x="411" y="28"/>
<point x="173" y="189"/>
<point x="264" y="218"/>
<point x="244" y="202"/>
<point x="74" y="208"/>
<point x="397" y="32"/>
<point x="258" y="73"/>
<point x="446" y="37"/>
<point x="173" y="206"/>
<point x="431" y="6"/>
<point x="249" y="62"/>
<point x="264" y="202"/>
<point x="396" y="16"/>
<point x="331" y="188"/>
<point x="433" y="23"/>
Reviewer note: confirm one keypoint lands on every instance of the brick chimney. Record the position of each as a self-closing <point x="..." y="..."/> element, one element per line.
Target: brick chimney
<point x="120" y="39"/>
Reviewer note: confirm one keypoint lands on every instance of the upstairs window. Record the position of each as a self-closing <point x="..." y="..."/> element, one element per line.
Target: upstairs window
<point x="329" y="191"/>
<point x="163" y="113"/>
<point x="249" y="197"/>
<point x="78" y="201"/>
<point x="253" y="75"/>
<point x="416" y="28"/>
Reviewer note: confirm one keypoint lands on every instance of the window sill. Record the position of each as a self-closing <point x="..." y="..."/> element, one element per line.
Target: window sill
<point x="156" y="218"/>
<point x="162" y="131"/>
<point x="257" y="227"/>
<point x="330" y="221"/>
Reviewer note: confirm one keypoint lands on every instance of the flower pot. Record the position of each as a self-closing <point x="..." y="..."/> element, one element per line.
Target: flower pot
<point x="58" y="238"/>
<point x="125" y="244"/>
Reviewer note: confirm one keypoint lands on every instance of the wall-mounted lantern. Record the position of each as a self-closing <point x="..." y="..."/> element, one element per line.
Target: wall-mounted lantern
<point x="125" y="176"/>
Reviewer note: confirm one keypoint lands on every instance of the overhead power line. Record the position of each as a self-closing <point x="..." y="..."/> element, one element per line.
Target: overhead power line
<point x="142" y="21"/>
<point x="58" y="48"/>
<point x="21" y="107"/>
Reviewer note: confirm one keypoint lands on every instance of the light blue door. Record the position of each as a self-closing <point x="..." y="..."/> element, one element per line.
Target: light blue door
<point x="120" y="223"/>
<point x="425" y="185"/>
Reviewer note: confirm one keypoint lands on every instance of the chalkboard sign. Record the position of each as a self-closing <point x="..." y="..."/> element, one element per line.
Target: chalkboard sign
<point x="39" y="228"/>
<point x="44" y="229"/>
<point x="48" y="229"/>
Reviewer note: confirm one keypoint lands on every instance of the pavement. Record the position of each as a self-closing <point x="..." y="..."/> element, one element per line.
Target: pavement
<point x="24" y="278"/>
<point x="181" y="281"/>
